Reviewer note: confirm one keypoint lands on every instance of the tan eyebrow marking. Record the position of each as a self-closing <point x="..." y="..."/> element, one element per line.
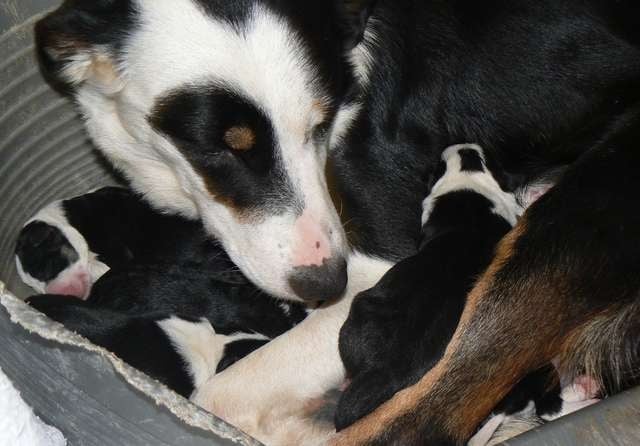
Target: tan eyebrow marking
<point x="240" y="138"/>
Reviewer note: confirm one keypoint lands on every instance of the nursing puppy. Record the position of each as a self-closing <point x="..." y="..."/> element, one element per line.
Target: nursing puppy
<point x="399" y="329"/>
<point x="219" y="110"/>
<point x="69" y="244"/>
<point x="540" y="397"/>
<point x="167" y="301"/>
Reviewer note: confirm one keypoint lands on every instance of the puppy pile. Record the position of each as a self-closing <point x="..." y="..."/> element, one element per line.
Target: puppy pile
<point x="159" y="293"/>
<point x="152" y="288"/>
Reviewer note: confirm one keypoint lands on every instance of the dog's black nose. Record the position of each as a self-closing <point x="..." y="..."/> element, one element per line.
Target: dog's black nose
<point x="324" y="282"/>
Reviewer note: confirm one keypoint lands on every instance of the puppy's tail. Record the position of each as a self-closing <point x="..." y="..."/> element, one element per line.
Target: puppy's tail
<point x="606" y="348"/>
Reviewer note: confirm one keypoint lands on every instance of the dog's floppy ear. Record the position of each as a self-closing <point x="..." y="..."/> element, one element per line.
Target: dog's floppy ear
<point x="79" y="42"/>
<point x="355" y="16"/>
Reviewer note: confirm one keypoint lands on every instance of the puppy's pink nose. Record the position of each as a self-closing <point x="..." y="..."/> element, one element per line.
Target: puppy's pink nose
<point x="311" y="244"/>
<point x="76" y="284"/>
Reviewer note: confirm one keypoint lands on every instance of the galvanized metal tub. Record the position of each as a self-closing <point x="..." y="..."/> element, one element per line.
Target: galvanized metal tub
<point x="91" y="396"/>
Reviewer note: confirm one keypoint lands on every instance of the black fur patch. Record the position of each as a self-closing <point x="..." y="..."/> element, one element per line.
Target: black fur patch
<point x="161" y="266"/>
<point x="470" y="161"/>
<point x="439" y="79"/>
<point x="197" y="119"/>
<point x="399" y="329"/>
<point x="234" y="351"/>
<point x="44" y="251"/>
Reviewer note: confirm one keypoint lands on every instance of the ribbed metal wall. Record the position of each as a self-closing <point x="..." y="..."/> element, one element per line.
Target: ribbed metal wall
<point x="46" y="155"/>
<point x="44" y="152"/>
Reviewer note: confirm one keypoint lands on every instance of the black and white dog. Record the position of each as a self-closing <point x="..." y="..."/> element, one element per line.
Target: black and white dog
<point x="159" y="292"/>
<point x="220" y="111"/>
<point x="399" y="329"/>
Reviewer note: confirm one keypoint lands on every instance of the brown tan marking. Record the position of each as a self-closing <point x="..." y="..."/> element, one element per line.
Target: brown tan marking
<point x="241" y="214"/>
<point x="493" y="347"/>
<point x="240" y="138"/>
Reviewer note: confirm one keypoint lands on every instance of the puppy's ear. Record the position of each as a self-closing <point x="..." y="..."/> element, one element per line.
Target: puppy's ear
<point x="79" y="42"/>
<point x="355" y="16"/>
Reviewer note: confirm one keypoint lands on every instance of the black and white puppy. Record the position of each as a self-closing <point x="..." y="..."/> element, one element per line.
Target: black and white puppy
<point x="231" y="128"/>
<point x="70" y="244"/>
<point x="540" y="397"/>
<point x="166" y="298"/>
<point x="218" y="110"/>
<point x="399" y="329"/>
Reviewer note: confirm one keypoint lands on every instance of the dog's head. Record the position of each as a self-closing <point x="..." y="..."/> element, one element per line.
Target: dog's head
<point x="220" y="110"/>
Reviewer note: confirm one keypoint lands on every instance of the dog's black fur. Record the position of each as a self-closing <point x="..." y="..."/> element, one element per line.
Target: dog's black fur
<point x="399" y="329"/>
<point x="533" y="83"/>
<point x="537" y="83"/>
<point x="161" y="267"/>
<point x="530" y="81"/>
<point x="44" y="251"/>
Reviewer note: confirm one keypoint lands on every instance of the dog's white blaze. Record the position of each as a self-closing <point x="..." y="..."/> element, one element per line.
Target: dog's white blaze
<point x="177" y="45"/>
<point x="454" y="179"/>
<point x="200" y="346"/>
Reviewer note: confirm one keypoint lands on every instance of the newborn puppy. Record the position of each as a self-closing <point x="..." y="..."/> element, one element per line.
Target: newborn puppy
<point x="540" y="397"/>
<point x="399" y="329"/>
<point x="178" y="324"/>
<point x="70" y="244"/>
<point x="159" y="293"/>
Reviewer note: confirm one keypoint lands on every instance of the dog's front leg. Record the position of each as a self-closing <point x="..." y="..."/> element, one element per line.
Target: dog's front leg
<point x="272" y="393"/>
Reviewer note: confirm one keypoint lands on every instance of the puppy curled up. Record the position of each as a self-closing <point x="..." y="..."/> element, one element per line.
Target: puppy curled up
<point x="399" y="329"/>
<point x="154" y="289"/>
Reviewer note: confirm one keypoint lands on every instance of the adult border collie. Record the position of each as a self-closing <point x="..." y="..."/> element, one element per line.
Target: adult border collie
<point x="225" y="111"/>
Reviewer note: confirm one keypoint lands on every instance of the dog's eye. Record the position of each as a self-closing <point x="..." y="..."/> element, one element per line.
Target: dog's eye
<point x="319" y="132"/>
<point x="240" y="138"/>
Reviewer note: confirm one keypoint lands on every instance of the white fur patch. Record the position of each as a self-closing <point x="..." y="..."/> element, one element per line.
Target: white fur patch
<point x="342" y="123"/>
<point x="484" y="435"/>
<point x="361" y="56"/>
<point x="285" y="307"/>
<point x="200" y="346"/>
<point x="177" y="45"/>
<point x="500" y="427"/>
<point x="87" y="262"/>
<point x="532" y="192"/>
<point x="265" y="393"/>
<point x="454" y="179"/>
<point x="27" y="279"/>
